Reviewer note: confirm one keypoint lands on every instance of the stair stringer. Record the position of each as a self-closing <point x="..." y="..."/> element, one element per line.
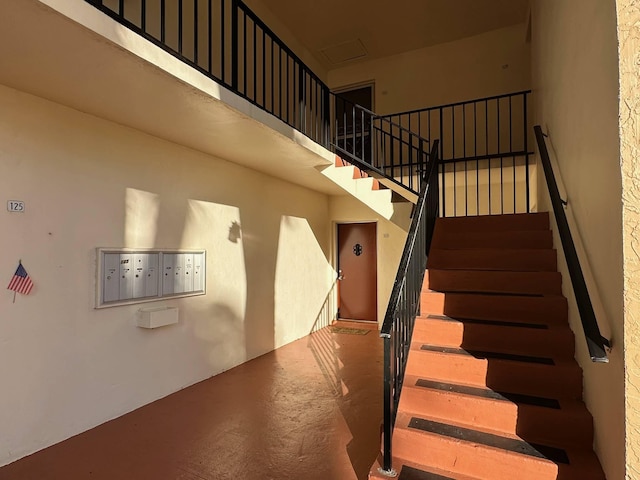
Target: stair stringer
<point x="367" y="190"/>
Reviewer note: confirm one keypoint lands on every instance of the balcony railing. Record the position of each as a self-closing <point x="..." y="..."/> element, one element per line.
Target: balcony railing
<point x="485" y="152"/>
<point x="226" y="41"/>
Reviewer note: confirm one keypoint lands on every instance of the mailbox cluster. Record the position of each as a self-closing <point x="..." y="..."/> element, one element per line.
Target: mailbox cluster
<point x="129" y="276"/>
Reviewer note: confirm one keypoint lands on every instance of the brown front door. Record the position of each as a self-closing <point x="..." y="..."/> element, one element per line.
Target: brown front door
<point x="357" y="266"/>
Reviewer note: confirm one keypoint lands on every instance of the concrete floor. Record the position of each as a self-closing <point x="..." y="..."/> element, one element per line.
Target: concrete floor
<point x="310" y="410"/>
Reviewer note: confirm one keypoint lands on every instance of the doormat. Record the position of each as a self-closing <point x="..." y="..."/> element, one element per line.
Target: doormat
<point x="349" y="331"/>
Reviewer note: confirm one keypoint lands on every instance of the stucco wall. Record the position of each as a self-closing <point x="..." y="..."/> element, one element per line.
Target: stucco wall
<point x="629" y="53"/>
<point x="493" y="63"/>
<point x="67" y="367"/>
<point x="575" y="83"/>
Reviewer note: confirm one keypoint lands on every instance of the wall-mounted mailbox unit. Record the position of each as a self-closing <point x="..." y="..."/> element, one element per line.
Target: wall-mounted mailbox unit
<point x="134" y="276"/>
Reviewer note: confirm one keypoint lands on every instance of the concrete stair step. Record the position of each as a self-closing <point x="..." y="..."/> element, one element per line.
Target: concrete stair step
<point x="509" y="239"/>
<point x="452" y="448"/>
<point x="494" y="223"/>
<point x="523" y="374"/>
<point x="506" y="337"/>
<point x="511" y="308"/>
<point x="530" y="283"/>
<point x="520" y="260"/>
<point x="533" y="418"/>
<point x="487" y="455"/>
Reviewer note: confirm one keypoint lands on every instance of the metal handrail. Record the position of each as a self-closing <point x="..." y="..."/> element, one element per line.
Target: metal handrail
<point x="404" y="303"/>
<point x="596" y="343"/>
<point x="456" y="104"/>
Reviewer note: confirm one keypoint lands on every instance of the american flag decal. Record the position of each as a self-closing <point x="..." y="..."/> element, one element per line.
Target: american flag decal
<point x="21" y="283"/>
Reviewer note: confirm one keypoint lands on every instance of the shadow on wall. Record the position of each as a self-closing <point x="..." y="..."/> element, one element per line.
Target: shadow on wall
<point x="268" y="270"/>
<point x="222" y="330"/>
<point x="259" y="230"/>
<point x="142" y="211"/>
<point x="328" y="311"/>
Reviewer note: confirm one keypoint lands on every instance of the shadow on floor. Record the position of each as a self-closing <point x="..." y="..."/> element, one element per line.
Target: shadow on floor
<point x="286" y="415"/>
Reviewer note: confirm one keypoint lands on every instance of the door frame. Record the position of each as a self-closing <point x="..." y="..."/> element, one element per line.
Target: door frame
<point x="335" y="248"/>
<point x="357" y="86"/>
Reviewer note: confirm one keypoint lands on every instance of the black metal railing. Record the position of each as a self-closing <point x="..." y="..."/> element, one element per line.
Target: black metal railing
<point x="404" y="304"/>
<point x="226" y="41"/>
<point x="596" y="343"/>
<point x="484" y="151"/>
<point x="378" y="145"/>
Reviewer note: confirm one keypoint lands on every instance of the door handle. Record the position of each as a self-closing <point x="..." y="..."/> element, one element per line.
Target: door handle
<point x="340" y="275"/>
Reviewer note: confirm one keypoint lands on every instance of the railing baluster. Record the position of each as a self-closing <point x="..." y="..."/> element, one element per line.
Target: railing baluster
<point x="464" y="149"/>
<point x="255" y="63"/>
<point x="280" y="82"/>
<point x="501" y="162"/>
<point x="475" y="152"/>
<point x="180" y="26"/>
<point x="444" y="168"/>
<point x="143" y="15"/>
<point x="486" y="147"/>
<point x="195" y="31"/>
<point x="234" y="45"/>
<point x="513" y="159"/>
<point x="288" y="89"/>
<point x="526" y="149"/>
<point x="272" y="110"/>
<point x="209" y="37"/>
<point x="264" y="70"/>
<point x="163" y="21"/>
<point x="453" y="155"/>
<point x="222" y="39"/>
<point x="244" y="53"/>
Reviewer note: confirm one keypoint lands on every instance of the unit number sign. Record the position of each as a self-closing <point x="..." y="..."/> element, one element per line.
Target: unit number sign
<point x="15" y="206"/>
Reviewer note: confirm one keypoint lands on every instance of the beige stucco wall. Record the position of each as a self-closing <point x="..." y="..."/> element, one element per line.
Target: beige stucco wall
<point x="470" y="68"/>
<point x="575" y="83"/>
<point x="88" y="183"/>
<point x="629" y="53"/>
<point x="390" y="242"/>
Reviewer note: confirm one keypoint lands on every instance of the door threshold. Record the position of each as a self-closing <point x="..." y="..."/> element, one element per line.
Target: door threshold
<point x="349" y="320"/>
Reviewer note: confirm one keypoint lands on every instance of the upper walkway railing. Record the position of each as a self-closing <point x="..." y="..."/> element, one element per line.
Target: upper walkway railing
<point x="484" y="149"/>
<point x="226" y="41"/>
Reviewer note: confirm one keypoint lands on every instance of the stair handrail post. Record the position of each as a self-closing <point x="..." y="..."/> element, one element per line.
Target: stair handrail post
<point x="596" y="343"/>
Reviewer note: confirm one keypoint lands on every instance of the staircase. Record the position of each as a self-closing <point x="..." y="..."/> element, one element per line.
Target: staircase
<point x="371" y="191"/>
<point x="491" y="389"/>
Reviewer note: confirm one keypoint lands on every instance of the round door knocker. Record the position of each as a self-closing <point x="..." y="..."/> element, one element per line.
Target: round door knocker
<point x="357" y="249"/>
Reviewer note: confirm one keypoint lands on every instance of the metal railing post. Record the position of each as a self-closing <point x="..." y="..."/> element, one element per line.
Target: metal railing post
<point x="234" y="44"/>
